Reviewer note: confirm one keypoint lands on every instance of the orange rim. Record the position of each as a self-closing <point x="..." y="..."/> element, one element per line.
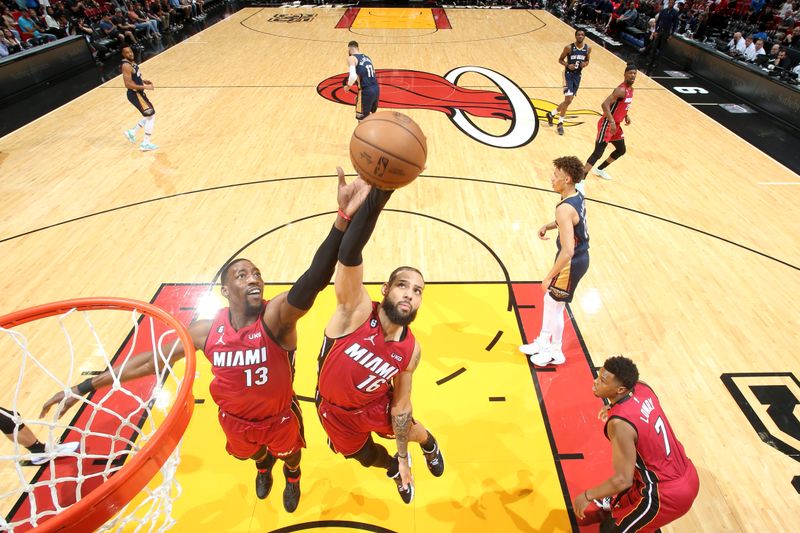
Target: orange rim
<point x="106" y="500"/>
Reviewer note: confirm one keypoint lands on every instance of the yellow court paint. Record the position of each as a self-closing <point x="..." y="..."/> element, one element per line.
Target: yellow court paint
<point x="499" y="471"/>
<point x="374" y="18"/>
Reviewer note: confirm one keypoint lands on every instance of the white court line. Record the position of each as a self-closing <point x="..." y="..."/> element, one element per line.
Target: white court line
<point x="778" y="183"/>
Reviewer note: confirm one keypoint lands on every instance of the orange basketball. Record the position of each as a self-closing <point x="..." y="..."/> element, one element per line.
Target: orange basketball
<point x="388" y="149"/>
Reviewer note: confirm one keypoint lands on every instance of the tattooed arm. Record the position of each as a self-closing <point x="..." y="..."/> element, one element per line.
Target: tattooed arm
<point x="401" y="413"/>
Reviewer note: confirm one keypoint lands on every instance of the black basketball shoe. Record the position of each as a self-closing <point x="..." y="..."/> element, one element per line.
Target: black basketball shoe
<point x="291" y="494"/>
<point x="406" y="493"/>
<point x="550" y="119"/>
<point x="264" y="477"/>
<point x="560" y="128"/>
<point x="434" y="460"/>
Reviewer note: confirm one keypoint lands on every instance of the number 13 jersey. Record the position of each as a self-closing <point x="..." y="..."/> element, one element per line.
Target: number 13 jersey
<point x="252" y="372"/>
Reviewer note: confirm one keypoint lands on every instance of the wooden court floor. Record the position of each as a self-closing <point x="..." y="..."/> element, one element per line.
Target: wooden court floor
<point x="694" y="259"/>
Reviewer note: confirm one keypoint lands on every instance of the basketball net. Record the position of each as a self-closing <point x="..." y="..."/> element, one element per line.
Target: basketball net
<point x="109" y="461"/>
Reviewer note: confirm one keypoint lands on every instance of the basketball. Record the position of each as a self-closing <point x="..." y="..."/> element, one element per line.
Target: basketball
<point x="388" y="150"/>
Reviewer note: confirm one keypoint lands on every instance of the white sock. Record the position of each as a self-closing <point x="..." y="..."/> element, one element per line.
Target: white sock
<point x="560" y="119"/>
<point x="552" y="320"/>
<point x="138" y="125"/>
<point x="148" y="127"/>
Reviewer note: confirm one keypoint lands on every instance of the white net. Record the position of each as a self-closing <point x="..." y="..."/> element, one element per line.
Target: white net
<point x="90" y="443"/>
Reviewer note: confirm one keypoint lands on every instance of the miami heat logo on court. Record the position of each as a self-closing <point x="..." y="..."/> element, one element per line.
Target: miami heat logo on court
<point x="413" y="89"/>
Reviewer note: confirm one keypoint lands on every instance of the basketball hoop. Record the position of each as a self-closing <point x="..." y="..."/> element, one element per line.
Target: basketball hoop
<point x="128" y="433"/>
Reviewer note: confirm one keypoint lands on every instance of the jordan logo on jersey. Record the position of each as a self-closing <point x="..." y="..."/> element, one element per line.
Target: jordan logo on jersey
<point x="221" y="331"/>
<point x="371" y="338"/>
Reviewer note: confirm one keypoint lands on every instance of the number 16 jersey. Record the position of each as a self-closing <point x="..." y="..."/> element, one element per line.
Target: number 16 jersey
<point x="252" y="372"/>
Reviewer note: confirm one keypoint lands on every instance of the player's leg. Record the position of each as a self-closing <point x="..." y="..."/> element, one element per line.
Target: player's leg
<point x="619" y="151"/>
<point x="372" y="454"/>
<point x="360" y="105"/>
<point x="429" y="446"/>
<point x="243" y="446"/>
<point x="599" y="146"/>
<point x="150" y="120"/>
<point x="264" y="463"/>
<point x="26" y="438"/>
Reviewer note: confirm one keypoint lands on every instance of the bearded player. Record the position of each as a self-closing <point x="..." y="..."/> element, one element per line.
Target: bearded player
<point x="250" y="345"/>
<point x="368" y="359"/>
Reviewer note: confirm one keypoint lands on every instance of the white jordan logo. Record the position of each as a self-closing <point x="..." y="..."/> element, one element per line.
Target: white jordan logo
<point x="284" y="419"/>
<point x="371" y="338"/>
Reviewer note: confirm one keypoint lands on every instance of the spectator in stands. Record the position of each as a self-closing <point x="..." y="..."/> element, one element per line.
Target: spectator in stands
<point x="52" y="25"/>
<point x="786" y="9"/>
<point x="782" y="61"/>
<point x="736" y="45"/>
<point x="622" y="23"/>
<point x="650" y="37"/>
<point x="186" y="10"/>
<point x="666" y="24"/>
<point x="12" y="44"/>
<point x="792" y="40"/>
<point x="773" y="53"/>
<point x="749" y="48"/>
<point x="155" y="9"/>
<point x="758" y="50"/>
<point x="123" y="23"/>
<point x="28" y="24"/>
<point x="141" y="22"/>
<point x="110" y="29"/>
<point x="76" y="7"/>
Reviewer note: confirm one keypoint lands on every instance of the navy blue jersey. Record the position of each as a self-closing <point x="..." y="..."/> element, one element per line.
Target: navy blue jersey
<point x="580" y="229"/>
<point x="577" y="56"/>
<point x="136" y="76"/>
<point x="365" y="71"/>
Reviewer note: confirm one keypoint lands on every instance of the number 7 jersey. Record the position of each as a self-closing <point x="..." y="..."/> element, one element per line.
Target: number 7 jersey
<point x="252" y="373"/>
<point x="659" y="455"/>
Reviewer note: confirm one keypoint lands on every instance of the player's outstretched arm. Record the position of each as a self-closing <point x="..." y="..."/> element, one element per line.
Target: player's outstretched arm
<point x="401" y="412"/>
<point x="139" y="365"/>
<point x="353" y="302"/>
<point x="285" y="310"/>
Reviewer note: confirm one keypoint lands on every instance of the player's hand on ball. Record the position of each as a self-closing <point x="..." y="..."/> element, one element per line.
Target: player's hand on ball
<point x="351" y="195"/>
<point x="543" y="233"/>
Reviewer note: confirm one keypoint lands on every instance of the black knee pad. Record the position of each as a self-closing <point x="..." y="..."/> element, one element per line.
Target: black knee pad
<point x="149" y="112"/>
<point x="6" y="424"/>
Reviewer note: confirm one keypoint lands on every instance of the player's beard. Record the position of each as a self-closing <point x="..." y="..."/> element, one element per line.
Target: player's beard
<point x="394" y="314"/>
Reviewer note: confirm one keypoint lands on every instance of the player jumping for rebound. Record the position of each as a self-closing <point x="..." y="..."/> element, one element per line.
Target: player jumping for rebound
<point x="367" y="362"/>
<point x="251" y="346"/>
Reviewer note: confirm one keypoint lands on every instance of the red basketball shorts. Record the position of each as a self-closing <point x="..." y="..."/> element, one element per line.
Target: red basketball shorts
<point x="281" y="434"/>
<point x="348" y="430"/>
<point x="604" y="134"/>
<point x="647" y="507"/>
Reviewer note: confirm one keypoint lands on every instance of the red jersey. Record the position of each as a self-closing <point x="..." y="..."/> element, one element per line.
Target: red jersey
<point x="356" y="370"/>
<point x="620" y="106"/>
<point x="659" y="455"/>
<point x="252" y="373"/>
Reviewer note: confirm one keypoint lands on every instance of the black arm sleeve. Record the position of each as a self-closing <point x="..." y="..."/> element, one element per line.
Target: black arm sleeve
<point x="305" y="289"/>
<point x="6" y="424"/>
<point x="361" y="227"/>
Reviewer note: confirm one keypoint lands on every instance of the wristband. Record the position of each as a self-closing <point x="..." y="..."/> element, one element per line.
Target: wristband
<point x="586" y="495"/>
<point x="341" y="214"/>
<point x="85" y="387"/>
<point x="402" y="456"/>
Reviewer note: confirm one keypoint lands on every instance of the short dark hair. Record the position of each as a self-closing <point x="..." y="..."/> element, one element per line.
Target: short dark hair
<point x="623" y="369"/>
<point x="571" y="165"/>
<point x="397" y="271"/>
<point x="580" y="31"/>
<point x="353" y="44"/>
<point x="631" y="66"/>
<point x="223" y="276"/>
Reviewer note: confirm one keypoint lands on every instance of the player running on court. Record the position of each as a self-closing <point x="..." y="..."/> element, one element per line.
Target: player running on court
<point x="575" y="58"/>
<point x="609" y="127"/>
<point x="368" y="359"/>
